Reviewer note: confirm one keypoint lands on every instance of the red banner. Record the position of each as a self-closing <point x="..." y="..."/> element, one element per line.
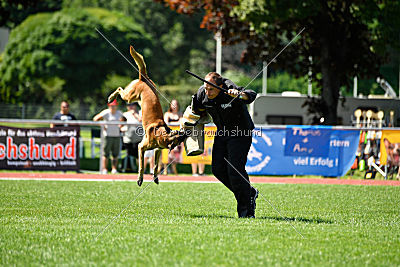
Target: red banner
<point x="39" y="148"/>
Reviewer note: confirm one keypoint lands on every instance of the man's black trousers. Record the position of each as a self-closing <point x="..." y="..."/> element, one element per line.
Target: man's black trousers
<point x="235" y="150"/>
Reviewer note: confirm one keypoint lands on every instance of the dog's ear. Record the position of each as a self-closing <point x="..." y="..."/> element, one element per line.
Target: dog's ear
<point x="386" y="142"/>
<point x="139" y="62"/>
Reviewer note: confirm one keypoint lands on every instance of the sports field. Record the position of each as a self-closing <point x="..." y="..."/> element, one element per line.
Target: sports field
<point x="56" y="222"/>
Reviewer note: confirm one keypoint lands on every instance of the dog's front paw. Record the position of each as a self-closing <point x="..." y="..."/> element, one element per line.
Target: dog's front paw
<point x="156" y="180"/>
<point x="140" y="180"/>
<point x="174" y="132"/>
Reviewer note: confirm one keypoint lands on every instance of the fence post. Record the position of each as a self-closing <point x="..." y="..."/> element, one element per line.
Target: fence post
<point x="81" y="144"/>
<point x="23" y="111"/>
<point x="101" y="147"/>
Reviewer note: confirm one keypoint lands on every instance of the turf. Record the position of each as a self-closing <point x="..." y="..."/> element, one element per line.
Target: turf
<point x="181" y="224"/>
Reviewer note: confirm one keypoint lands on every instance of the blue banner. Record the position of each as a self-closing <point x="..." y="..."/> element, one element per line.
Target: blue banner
<point x="302" y="150"/>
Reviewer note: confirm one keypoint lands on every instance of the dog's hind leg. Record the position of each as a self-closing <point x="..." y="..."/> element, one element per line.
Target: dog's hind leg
<point x="157" y="154"/>
<point x="141" y="151"/>
<point x="114" y="94"/>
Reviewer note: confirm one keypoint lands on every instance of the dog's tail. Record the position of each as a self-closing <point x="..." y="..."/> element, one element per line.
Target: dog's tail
<point x="139" y="62"/>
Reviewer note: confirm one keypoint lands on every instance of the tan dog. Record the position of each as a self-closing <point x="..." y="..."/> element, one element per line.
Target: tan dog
<point x="157" y="134"/>
<point x="393" y="154"/>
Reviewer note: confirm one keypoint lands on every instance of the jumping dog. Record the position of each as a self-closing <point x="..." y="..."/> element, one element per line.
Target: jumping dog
<point x="157" y="134"/>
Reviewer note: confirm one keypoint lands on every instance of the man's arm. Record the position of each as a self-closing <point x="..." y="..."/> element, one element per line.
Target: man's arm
<point x="247" y="95"/>
<point x="250" y="95"/>
<point x="123" y="128"/>
<point x="98" y="117"/>
<point x="137" y="116"/>
<point x="166" y="117"/>
<point x="55" y="117"/>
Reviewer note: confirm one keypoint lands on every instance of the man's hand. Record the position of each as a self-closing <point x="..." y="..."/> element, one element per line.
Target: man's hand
<point x="235" y="93"/>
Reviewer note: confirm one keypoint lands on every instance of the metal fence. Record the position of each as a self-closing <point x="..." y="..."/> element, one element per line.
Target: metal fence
<point x="45" y="111"/>
<point x="80" y="111"/>
<point x="102" y="124"/>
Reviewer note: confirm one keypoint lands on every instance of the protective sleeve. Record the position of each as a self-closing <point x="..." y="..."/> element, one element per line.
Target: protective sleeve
<point x="197" y="106"/>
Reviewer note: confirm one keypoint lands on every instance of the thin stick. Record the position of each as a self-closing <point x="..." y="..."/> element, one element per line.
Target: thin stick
<point x="210" y="83"/>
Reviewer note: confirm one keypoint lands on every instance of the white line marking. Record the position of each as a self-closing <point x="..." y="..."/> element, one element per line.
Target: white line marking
<point x="102" y="180"/>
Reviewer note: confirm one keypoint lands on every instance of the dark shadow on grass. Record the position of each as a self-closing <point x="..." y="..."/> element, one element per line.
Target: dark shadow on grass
<point x="276" y="218"/>
<point x="209" y="216"/>
<point x="296" y="219"/>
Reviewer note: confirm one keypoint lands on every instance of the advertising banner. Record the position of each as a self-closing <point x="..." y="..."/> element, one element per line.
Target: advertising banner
<point x="302" y="150"/>
<point x="180" y="153"/>
<point x="39" y="148"/>
<point x="390" y="148"/>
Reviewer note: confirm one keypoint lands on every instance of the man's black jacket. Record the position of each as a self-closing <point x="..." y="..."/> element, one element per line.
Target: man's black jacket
<point x="226" y="113"/>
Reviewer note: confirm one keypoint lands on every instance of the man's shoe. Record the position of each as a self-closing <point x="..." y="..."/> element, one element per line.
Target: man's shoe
<point x="247" y="214"/>
<point x="252" y="207"/>
<point x="253" y="198"/>
<point x="243" y="214"/>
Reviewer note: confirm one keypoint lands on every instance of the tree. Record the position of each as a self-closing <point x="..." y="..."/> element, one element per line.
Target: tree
<point x="13" y="12"/>
<point x="343" y="37"/>
<point x="174" y="36"/>
<point x="61" y="53"/>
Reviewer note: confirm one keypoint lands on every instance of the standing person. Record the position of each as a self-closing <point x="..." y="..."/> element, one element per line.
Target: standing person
<point x="149" y="157"/>
<point x="131" y="138"/>
<point x="233" y="137"/>
<point x="198" y="166"/>
<point x="173" y="115"/>
<point x="63" y="115"/>
<point x="112" y="136"/>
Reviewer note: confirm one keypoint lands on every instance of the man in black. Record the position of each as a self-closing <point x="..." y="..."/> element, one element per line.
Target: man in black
<point x="233" y="138"/>
<point x="63" y="115"/>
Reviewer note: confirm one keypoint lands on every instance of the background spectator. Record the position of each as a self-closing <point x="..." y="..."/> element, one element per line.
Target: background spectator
<point x="198" y="166"/>
<point x="112" y="135"/>
<point x="63" y="115"/>
<point x="149" y="157"/>
<point x="173" y="115"/>
<point x="131" y="139"/>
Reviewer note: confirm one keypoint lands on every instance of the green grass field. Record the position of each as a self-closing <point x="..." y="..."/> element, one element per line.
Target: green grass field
<point x="55" y="223"/>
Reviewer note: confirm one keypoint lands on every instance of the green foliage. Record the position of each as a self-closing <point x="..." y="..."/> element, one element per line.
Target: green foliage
<point x="13" y="12"/>
<point x="172" y="40"/>
<point x="174" y="36"/>
<point x="276" y="83"/>
<point x="196" y="63"/>
<point x="182" y="92"/>
<point x="195" y="224"/>
<point x="343" y="38"/>
<point x="113" y="81"/>
<point x="65" y="46"/>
